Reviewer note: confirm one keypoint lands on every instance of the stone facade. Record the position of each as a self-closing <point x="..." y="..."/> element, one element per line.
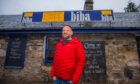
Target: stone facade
<point x="33" y="63"/>
<point x="120" y="52"/>
<point x="2" y="54"/>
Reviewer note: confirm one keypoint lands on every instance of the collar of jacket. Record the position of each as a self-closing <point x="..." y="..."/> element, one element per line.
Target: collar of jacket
<point x="73" y="40"/>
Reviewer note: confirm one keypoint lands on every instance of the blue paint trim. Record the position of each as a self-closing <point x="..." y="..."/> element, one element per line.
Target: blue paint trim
<point x="75" y="31"/>
<point x="6" y="57"/>
<point x="24" y="50"/>
<point x="47" y="61"/>
<point x="138" y="49"/>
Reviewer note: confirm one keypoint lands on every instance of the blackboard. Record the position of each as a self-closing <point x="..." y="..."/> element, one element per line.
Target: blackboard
<point x="95" y="59"/>
<point x="15" y="53"/>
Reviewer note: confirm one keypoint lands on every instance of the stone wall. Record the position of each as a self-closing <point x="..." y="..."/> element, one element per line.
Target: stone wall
<point x="120" y="52"/>
<point x="3" y="45"/>
<point x="32" y="65"/>
<point x="33" y="59"/>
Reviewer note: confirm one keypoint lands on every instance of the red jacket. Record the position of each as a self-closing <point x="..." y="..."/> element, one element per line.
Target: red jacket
<point x="69" y="60"/>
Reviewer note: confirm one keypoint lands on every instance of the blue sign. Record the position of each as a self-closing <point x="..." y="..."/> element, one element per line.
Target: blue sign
<point x="71" y="16"/>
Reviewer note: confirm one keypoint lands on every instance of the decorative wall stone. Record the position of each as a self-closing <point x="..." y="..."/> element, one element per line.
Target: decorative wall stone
<point x="120" y="50"/>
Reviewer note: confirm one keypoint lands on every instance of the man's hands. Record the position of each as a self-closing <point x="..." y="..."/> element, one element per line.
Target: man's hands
<point x="71" y="82"/>
<point x="54" y="78"/>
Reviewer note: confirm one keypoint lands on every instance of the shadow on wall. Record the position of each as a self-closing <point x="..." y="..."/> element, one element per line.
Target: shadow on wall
<point x="132" y="70"/>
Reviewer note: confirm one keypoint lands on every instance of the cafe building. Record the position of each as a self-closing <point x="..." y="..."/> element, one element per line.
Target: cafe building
<point x="111" y="41"/>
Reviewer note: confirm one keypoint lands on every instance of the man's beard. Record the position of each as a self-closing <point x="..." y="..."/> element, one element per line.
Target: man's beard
<point x="66" y="38"/>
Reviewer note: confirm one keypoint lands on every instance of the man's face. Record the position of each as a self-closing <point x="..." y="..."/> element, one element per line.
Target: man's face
<point x="67" y="32"/>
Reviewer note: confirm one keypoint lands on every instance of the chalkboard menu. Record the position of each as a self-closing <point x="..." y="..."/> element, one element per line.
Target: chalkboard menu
<point x="15" y="53"/>
<point x="95" y="67"/>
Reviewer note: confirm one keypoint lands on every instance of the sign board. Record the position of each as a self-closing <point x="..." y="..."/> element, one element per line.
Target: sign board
<point x="71" y="16"/>
<point x="15" y="52"/>
<point x="95" y="67"/>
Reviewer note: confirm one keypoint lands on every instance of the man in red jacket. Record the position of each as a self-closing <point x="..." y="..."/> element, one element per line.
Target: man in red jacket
<point x="69" y="59"/>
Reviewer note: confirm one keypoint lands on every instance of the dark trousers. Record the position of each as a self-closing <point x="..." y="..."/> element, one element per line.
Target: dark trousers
<point x="60" y="81"/>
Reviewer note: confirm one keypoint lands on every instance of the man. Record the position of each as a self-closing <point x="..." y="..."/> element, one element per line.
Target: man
<point x="69" y="59"/>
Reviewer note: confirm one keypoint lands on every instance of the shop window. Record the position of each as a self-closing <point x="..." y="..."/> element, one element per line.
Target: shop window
<point x="15" y="53"/>
<point x="50" y="48"/>
<point x="138" y="46"/>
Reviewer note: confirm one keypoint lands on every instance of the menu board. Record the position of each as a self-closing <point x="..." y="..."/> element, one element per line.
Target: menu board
<point x="95" y="67"/>
<point x="15" y="52"/>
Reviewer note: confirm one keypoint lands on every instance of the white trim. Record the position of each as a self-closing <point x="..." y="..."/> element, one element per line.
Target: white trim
<point x="44" y="48"/>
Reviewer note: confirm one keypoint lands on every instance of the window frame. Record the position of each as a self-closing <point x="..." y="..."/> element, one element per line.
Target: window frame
<point x="46" y="49"/>
<point x="23" y="38"/>
<point x="138" y="48"/>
